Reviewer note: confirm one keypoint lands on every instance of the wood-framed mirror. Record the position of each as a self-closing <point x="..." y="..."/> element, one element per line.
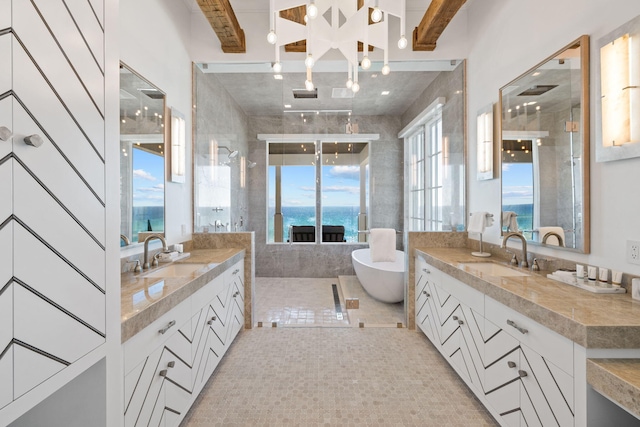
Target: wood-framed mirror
<point x="544" y="134"/>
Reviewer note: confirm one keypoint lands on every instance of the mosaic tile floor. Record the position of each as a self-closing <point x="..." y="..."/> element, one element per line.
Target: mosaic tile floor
<point x="297" y="302"/>
<point x="335" y="377"/>
<point x="371" y="312"/>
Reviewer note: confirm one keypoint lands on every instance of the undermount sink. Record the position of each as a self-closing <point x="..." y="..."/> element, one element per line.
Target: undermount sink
<point x="491" y="269"/>
<point x="177" y="270"/>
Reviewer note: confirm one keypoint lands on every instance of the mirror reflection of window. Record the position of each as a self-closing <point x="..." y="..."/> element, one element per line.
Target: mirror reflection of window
<point x="518" y="184"/>
<point x="148" y="190"/>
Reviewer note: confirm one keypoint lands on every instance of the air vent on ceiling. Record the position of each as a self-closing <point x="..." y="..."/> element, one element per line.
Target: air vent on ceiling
<point x="341" y="92"/>
<point x="305" y="94"/>
<point x="152" y="93"/>
<point x="537" y="90"/>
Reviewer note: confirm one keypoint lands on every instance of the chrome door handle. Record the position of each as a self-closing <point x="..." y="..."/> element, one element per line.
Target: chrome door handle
<point x="213" y="319"/>
<point x="426" y="293"/>
<point x="163" y="373"/>
<point x="426" y="271"/>
<point x="235" y="294"/>
<point x="166" y="328"/>
<point x="460" y="322"/>
<point x="236" y="271"/>
<point x="515" y="325"/>
<point x="34" y="140"/>
<point x="5" y="133"/>
<point x="522" y="373"/>
<point x="455" y="317"/>
<point x="511" y="364"/>
<point x="171" y="364"/>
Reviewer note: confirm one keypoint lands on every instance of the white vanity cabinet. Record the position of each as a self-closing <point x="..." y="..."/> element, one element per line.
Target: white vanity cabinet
<point x="520" y="370"/>
<point x="168" y="363"/>
<point x="5" y="14"/>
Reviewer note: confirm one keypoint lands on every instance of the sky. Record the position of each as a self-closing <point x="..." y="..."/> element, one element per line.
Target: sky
<point x="517" y="183"/>
<point x="340" y="185"/>
<point x="148" y="178"/>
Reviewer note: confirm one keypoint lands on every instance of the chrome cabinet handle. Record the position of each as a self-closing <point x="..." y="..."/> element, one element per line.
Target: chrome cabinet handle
<point x="515" y="325"/>
<point x="511" y="364"/>
<point x="236" y="271"/>
<point x="522" y="373"/>
<point x="235" y="294"/>
<point x="460" y="322"/>
<point x="163" y="373"/>
<point x="213" y="319"/>
<point x="455" y="317"/>
<point x="34" y="140"/>
<point x="426" y="270"/>
<point x="426" y="293"/>
<point x="166" y="328"/>
<point x="171" y="364"/>
<point x="5" y="133"/>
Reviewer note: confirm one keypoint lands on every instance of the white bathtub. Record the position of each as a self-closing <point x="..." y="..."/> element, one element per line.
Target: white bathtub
<point x="384" y="281"/>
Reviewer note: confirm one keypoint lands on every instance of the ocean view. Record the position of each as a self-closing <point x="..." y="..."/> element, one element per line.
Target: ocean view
<point x="525" y="215"/>
<point x="306" y="215"/>
<point x="142" y="214"/>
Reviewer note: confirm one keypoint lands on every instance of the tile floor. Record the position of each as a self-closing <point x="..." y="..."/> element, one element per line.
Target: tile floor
<point x="309" y="302"/>
<point x="335" y="377"/>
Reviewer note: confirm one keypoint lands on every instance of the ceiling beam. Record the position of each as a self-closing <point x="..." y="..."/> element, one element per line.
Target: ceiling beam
<point x="434" y="21"/>
<point x="223" y="20"/>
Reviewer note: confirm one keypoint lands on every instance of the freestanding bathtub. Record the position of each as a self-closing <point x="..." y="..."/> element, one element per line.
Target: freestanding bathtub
<point x="384" y="281"/>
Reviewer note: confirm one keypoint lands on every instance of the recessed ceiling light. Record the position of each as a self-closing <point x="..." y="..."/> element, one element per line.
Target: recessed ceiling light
<point x="384" y="93"/>
<point x="277" y="76"/>
<point x="287" y="105"/>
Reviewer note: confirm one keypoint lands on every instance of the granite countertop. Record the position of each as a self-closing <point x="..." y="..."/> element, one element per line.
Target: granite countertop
<point x="145" y="299"/>
<point x="590" y="320"/>
<point x="617" y="379"/>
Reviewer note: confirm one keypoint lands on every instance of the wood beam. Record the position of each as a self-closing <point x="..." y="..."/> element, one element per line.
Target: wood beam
<point x="223" y="20"/>
<point x="434" y="21"/>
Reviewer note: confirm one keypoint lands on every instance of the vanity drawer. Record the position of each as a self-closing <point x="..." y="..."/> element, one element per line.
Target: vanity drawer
<point x="549" y="344"/>
<point x="204" y="295"/>
<point x="140" y="345"/>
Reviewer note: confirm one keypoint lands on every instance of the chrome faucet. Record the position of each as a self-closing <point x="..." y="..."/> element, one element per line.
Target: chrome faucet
<point x="146" y="248"/>
<point x="125" y="239"/>
<point x="556" y="235"/>
<point x="523" y="263"/>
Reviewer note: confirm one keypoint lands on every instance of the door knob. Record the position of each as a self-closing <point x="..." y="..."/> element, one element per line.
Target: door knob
<point x="34" y="140"/>
<point x="5" y="133"/>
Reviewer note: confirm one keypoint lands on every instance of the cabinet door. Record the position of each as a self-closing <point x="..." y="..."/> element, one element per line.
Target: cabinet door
<point x="425" y="316"/>
<point x="6" y="120"/>
<point x="208" y="345"/>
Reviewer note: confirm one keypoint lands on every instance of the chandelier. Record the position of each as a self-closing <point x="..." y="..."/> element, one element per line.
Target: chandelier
<point x="337" y="24"/>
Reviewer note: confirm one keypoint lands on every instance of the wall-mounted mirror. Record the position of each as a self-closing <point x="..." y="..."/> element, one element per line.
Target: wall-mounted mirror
<point x="142" y="157"/>
<point x="545" y="150"/>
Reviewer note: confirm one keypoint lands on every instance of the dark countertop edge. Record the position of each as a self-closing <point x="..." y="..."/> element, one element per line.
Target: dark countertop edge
<point x="134" y="324"/>
<point x="602" y="336"/>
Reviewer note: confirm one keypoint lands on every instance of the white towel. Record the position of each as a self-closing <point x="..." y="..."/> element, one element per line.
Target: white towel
<point x="510" y="220"/>
<point x="479" y="221"/>
<point x="551" y="240"/>
<point x="382" y="244"/>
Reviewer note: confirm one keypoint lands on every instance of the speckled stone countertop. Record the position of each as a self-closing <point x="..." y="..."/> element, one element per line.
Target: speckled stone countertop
<point x="591" y="320"/>
<point x="617" y="379"/>
<point x="143" y="299"/>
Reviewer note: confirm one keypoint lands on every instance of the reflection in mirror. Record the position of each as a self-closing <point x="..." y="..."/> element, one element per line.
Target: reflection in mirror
<point x="545" y="151"/>
<point x="142" y="154"/>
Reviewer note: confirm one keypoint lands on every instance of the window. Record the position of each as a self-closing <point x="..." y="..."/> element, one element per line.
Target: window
<point x="317" y="191"/>
<point x="518" y="183"/>
<point x="426" y="180"/>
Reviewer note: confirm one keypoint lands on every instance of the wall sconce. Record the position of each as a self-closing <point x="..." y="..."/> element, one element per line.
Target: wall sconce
<point x="485" y="144"/>
<point x="620" y="93"/>
<point x="178" y="146"/>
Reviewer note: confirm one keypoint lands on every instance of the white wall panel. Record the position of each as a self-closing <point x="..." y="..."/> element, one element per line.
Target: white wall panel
<point x="58" y="176"/>
<point x="70" y="39"/>
<point x="30" y="369"/>
<point x="6" y="206"/>
<point x="6" y="373"/>
<point x="5" y="14"/>
<point x="89" y="27"/>
<point x="98" y="9"/>
<point x="47" y="328"/>
<point x="5" y="54"/>
<point x="35" y="207"/>
<point x="31" y="88"/>
<point x="71" y="291"/>
<point x="42" y="48"/>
